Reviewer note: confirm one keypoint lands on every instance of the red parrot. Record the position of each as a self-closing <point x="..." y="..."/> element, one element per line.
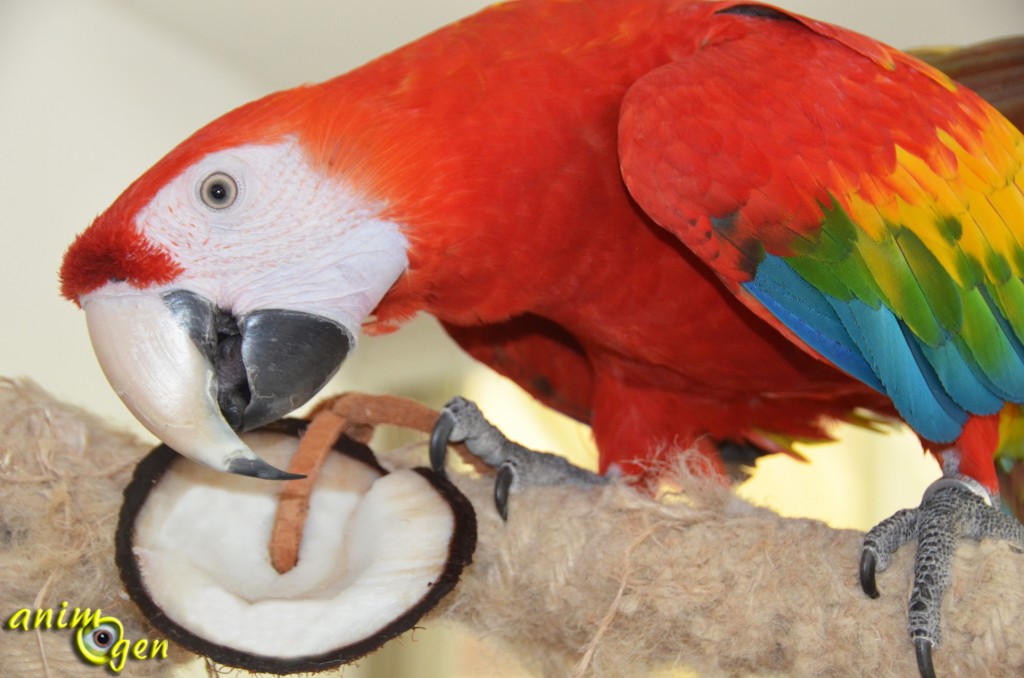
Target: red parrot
<point x="680" y="222"/>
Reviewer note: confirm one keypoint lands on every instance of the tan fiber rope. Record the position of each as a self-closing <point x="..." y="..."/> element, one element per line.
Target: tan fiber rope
<point x="603" y="581"/>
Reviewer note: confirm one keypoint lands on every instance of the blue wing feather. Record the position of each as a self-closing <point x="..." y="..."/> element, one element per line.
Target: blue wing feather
<point x="969" y="388"/>
<point x="934" y="389"/>
<point x="805" y="310"/>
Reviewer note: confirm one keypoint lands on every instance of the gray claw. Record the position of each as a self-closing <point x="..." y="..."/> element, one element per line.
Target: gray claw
<point x="923" y="651"/>
<point x="881" y="543"/>
<point x="439" y="438"/>
<point x="518" y="466"/>
<point x="868" y="564"/>
<point x="952" y="508"/>
<point x="502" y="485"/>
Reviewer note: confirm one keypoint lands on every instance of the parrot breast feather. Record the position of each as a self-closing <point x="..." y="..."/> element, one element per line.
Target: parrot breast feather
<point x="867" y="207"/>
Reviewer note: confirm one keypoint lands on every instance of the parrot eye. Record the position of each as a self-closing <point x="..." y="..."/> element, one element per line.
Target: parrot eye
<point x="218" y="191"/>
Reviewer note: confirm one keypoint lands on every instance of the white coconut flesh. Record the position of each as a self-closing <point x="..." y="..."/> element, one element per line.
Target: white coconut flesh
<point x="373" y="547"/>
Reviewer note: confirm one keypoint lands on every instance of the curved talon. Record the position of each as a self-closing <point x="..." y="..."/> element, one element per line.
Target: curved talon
<point x="868" y="563"/>
<point x="439" y="442"/>
<point x="953" y="508"/>
<point x="923" y="650"/>
<point x="502" y="484"/>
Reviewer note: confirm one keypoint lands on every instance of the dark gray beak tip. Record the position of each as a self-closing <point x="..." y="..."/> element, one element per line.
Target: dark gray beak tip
<point x="288" y="357"/>
<point x="257" y="468"/>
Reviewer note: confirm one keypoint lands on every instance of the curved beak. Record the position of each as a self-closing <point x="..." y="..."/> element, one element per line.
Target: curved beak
<point x="193" y="375"/>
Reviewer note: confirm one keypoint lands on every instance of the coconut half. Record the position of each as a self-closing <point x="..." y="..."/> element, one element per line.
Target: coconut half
<point x="378" y="552"/>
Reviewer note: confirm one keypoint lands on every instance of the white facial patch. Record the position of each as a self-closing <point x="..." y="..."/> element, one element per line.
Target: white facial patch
<point x="292" y="237"/>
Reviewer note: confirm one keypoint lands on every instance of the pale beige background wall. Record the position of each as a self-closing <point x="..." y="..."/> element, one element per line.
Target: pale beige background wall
<point x="94" y="91"/>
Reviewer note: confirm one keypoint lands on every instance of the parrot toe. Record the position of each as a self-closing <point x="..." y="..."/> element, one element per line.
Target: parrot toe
<point x="952" y="508"/>
<point x="517" y="466"/>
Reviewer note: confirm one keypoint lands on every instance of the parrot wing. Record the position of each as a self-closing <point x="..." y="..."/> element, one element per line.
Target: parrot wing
<point x="858" y="200"/>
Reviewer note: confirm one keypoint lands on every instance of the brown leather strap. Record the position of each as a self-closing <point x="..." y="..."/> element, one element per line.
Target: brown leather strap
<point x="355" y="414"/>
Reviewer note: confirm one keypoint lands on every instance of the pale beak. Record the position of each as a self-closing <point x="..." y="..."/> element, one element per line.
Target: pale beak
<point x="193" y="375"/>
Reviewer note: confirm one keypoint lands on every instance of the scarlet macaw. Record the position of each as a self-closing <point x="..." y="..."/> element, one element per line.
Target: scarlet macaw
<point x="677" y="221"/>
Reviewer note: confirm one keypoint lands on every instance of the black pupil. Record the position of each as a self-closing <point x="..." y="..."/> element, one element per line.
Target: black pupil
<point x="102" y="638"/>
<point x="218" y="192"/>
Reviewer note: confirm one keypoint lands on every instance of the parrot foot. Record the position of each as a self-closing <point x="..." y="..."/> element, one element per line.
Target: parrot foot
<point x="517" y="466"/>
<point x="953" y="507"/>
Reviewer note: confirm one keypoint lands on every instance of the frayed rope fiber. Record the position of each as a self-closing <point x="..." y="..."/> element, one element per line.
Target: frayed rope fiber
<point x="606" y="581"/>
<point x="62" y="472"/>
<point x="609" y="581"/>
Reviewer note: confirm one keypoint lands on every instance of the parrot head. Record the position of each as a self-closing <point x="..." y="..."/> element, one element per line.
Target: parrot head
<point x="226" y="285"/>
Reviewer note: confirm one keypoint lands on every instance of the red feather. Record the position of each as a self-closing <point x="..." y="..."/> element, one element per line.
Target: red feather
<point x="497" y="150"/>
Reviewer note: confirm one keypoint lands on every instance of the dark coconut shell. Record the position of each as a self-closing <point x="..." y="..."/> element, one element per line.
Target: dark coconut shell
<point x="147" y="476"/>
